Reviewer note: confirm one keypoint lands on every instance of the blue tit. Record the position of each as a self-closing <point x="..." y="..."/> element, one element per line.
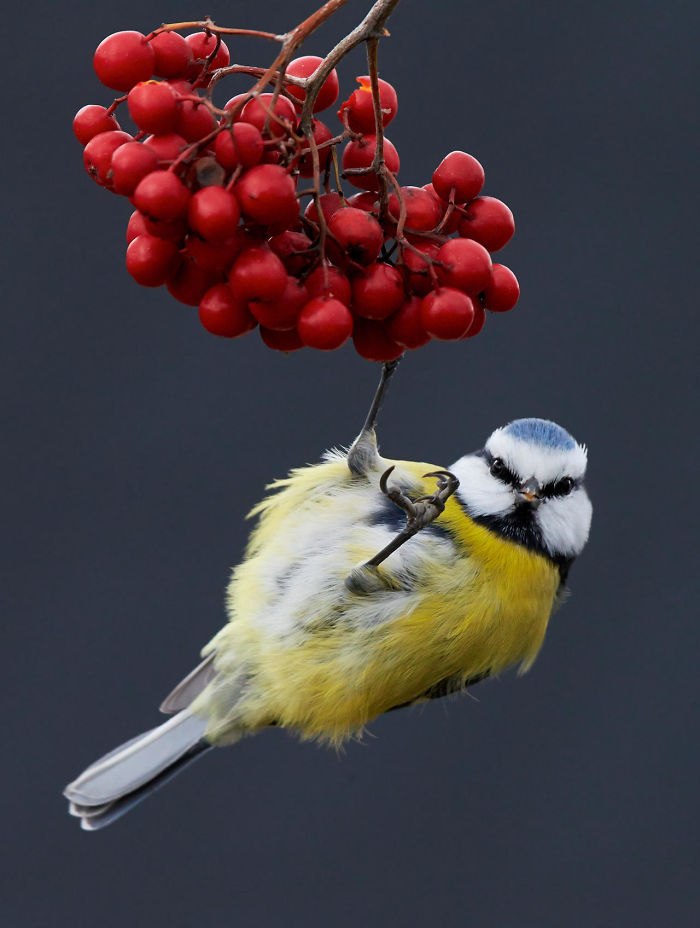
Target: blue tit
<point x="367" y="585"/>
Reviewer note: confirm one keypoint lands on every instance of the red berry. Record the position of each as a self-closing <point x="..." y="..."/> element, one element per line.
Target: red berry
<point x="222" y="313"/>
<point x="214" y="213"/>
<point x="292" y="248"/>
<point x="453" y="219"/>
<point x="136" y="226"/>
<point x="237" y="103"/>
<point x="194" y="120"/>
<point x="378" y="291"/>
<point x="267" y="194"/>
<point x="241" y="144"/>
<point x="357" y="233"/>
<point x="479" y="320"/>
<point x="325" y="324"/>
<point x="173" y="229"/>
<point x="97" y="154"/>
<point x="212" y="257"/>
<point x="153" y="107"/>
<point x="447" y="313"/>
<point x="258" y="274"/>
<point x="366" y="200"/>
<point x="162" y="195"/>
<point x="190" y="283"/>
<point x="331" y="284"/>
<point x="405" y="326"/>
<point x="131" y="162"/>
<point x="305" y="67"/>
<point x="281" y="341"/>
<point x="90" y="120"/>
<point x="423" y="211"/>
<point x="330" y="204"/>
<point x="321" y="134"/>
<point x="172" y="55"/>
<point x="123" y="59"/>
<point x="372" y="342"/>
<point x="281" y="314"/>
<point x="360" y="154"/>
<point x="359" y="108"/>
<point x="420" y="280"/>
<point x="201" y="47"/>
<point x="466" y="265"/>
<point x="257" y="113"/>
<point x="503" y="290"/>
<point x="167" y="147"/>
<point x="489" y="222"/>
<point x="461" y="171"/>
<point x="151" y="261"/>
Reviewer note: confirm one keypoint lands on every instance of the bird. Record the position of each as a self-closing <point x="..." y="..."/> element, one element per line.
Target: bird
<point x="369" y="585"/>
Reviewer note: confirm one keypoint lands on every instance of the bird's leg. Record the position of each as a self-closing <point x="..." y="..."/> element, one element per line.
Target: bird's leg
<point x="363" y="453"/>
<point x="420" y="512"/>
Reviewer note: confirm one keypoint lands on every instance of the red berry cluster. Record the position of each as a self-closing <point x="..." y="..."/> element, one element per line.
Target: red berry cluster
<point x="220" y="221"/>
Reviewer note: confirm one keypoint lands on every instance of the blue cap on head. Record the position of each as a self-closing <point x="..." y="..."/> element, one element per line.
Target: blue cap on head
<point x="541" y="432"/>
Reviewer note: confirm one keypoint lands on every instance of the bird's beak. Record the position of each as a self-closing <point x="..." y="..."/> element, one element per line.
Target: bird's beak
<point x="529" y="491"/>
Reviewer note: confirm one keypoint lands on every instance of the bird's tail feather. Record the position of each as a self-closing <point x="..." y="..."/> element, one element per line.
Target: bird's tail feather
<point x="124" y="777"/>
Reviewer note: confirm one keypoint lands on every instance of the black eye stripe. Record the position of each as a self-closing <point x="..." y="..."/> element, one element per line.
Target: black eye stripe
<point x="561" y="487"/>
<point x="500" y="471"/>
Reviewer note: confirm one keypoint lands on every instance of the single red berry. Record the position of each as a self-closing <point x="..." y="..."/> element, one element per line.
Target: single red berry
<point x="258" y="274"/>
<point x="90" y="120"/>
<point x="419" y="278"/>
<point x="487" y="221"/>
<point x="460" y="171"/>
<point x="329" y="282"/>
<point x="97" y="154"/>
<point x="405" y="326"/>
<point x="358" y="109"/>
<point x="172" y="55"/>
<point x="162" y="195"/>
<point x="173" y="229"/>
<point x="366" y="200"/>
<point x="465" y="265"/>
<point x="453" y="219"/>
<point x="479" y="320"/>
<point x="136" y="226"/>
<point x="423" y="211"/>
<point x="258" y="112"/>
<point x="378" y="291"/>
<point x="358" y="234"/>
<point x="194" y="120"/>
<point x="325" y="324"/>
<point x="201" y="46"/>
<point x="330" y="204"/>
<point x="222" y="313"/>
<point x="305" y="67"/>
<point x="372" y="342"/>
<point x="123" y="59"/>
<point x="131" y="162"/>
<point x="153" y="107"/>
<point x="281" y="314"/>
<point x="447" y="313"/>
<point x="267" y="194"/>
<point x="321" y="134"/>
<point x="167" y="147"/>
<point x="287" y="341"/>
<point x="236" y="104"/>
<point x="189" y="284"/>
<point x="241" y="144"/>
<point x="214" y="213"/>
<point x="292" y="248"/>
<point x="502" y="291"/>
<point x="360" y="154"/>
<point x="214" y="257"/>
<point x="151" y="261"/>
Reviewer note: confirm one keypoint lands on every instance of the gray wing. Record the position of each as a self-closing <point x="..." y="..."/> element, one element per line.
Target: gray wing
<point x="188" y="689"/>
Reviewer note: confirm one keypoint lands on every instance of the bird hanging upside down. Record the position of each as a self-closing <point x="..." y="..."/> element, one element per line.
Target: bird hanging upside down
<point x="364" y="588"/>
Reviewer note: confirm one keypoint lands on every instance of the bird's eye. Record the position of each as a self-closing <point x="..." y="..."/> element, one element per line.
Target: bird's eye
<point x="498" y="468"/>
<point x="564" y="486"/>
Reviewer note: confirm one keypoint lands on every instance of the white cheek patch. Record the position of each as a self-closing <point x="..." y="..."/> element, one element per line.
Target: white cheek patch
<point x="530" y="460"/>
<point x="565" y="523"/>
<point x="482" y="493"/>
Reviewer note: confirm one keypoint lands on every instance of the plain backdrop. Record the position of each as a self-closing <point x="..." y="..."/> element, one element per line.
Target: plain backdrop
<point x="134" y="443"/>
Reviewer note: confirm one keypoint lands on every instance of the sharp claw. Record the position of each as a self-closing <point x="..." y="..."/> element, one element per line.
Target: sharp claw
<point x="384" y="478"/>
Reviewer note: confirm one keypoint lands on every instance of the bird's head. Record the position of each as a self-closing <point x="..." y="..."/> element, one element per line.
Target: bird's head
<point x="527" y="484"/>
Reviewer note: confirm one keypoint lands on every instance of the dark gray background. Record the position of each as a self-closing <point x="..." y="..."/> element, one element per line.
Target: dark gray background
<point x="135" y="443"/>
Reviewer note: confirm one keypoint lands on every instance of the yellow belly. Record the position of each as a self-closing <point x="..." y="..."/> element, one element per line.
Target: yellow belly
<point x="481" y="612"/>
